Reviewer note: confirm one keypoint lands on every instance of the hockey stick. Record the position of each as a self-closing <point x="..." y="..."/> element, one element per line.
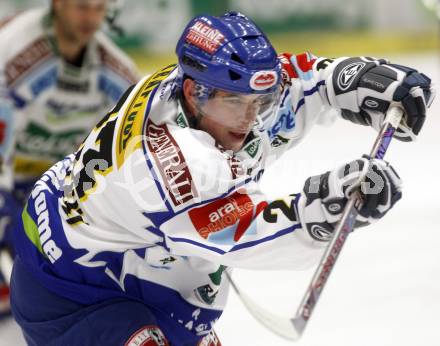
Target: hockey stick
<point x="292" y="328"/>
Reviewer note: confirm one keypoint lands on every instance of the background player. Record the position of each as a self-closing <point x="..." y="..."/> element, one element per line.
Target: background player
<point x="58" y="73"/>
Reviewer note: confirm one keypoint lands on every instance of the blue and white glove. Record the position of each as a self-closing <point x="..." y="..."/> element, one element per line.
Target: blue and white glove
<point x="363" y="88"/>
<point x="324" y="196"/>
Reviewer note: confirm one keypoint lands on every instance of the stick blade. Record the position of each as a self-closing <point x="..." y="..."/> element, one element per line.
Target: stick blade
<point x="287" y="328"/>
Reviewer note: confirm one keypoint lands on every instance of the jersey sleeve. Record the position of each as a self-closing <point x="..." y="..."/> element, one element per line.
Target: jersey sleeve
<point x="304" y="100"/>
<point x="242" y="228"/>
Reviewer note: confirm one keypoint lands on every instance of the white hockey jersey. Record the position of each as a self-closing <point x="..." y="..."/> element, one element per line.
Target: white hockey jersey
<point x="153" y="209"/>
<point x="48" y="106"/>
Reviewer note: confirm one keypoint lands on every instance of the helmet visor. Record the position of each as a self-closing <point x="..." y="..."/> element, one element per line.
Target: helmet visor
<point x="236" y="111"/>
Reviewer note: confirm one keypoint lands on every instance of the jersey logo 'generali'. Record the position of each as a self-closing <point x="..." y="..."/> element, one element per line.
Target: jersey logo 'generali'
<point x="171" y="163"/>
<point x="236" y="209"/>
<point x="205" y="37"/>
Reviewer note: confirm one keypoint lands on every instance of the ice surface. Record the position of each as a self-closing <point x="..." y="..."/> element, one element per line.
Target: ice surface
<point x="384" y="290"/>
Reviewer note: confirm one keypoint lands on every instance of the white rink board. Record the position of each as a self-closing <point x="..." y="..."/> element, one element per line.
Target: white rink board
<point x="384" y="290"/>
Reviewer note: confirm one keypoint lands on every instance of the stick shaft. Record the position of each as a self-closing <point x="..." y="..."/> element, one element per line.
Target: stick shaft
<point x="343" y="228"/>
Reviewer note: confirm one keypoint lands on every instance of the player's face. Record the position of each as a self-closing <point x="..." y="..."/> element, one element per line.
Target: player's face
<point x="228" y="139"/>
<point x="79" y="19"/>
<point x="229" y="117"/>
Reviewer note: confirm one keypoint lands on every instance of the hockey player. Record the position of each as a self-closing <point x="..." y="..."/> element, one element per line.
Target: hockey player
<point x="57" y="74"/>
<point x="125" y="241"/>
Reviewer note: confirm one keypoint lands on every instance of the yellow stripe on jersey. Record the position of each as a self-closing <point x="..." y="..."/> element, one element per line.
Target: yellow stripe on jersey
<point x="31" y="230"/>
<point x="130" y="131"/>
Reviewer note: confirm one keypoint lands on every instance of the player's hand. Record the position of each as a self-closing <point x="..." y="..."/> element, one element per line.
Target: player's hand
<point x="373" y="85"/>
<point x="324" y="196"/>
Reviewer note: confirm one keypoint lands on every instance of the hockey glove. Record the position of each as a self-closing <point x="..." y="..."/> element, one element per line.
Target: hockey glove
<point x="324" y="197"/>
<point x="363" y="89"/>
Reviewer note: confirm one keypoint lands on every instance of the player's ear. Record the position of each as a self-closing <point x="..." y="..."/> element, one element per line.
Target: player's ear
<point x="188" y="92"/>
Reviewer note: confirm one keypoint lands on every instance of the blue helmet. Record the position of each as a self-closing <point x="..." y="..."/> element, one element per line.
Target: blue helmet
<point x="229" y="53"/>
